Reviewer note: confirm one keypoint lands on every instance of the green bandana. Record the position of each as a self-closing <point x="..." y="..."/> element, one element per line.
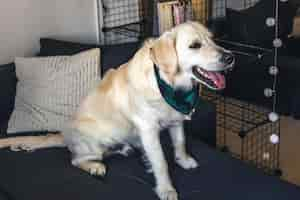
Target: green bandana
<point x="182" y="101"/>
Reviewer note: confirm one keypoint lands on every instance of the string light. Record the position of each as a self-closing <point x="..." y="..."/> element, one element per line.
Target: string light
<point x="273" y="70"/>
<point x="259" y="56"/>
<point x="268" y="92"/>
<point x="277" y="43"/>
<point x="270" y="21"/>
<point x="274" y="139"/>
<point x="273" y="117"/>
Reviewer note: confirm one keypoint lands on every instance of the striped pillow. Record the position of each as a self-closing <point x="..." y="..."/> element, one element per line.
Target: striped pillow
<point x="50" y="89"/>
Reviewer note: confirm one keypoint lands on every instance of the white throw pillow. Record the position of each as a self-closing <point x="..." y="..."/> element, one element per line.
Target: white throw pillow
<point x="50" y="89"/>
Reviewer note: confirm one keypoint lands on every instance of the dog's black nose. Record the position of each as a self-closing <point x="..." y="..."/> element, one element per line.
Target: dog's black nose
<point x="227" y="58"/>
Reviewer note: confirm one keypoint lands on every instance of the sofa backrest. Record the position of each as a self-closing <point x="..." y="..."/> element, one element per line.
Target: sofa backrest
<point x="8" y="82"/>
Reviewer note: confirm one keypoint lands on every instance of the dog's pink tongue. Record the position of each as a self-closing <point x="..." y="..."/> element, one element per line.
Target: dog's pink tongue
<point x="217" y="78"/>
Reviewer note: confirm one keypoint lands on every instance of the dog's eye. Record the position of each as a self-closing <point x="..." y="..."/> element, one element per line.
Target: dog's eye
<point x="195" y="45"/>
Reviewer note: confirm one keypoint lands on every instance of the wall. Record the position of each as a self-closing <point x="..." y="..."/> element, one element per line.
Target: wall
<point x="23" y="22"/>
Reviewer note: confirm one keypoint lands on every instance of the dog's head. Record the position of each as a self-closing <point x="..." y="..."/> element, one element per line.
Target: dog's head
<point x="187" y="54"/>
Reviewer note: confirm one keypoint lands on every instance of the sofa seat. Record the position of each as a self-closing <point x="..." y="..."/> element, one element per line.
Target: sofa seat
<point x="48" y="174"/>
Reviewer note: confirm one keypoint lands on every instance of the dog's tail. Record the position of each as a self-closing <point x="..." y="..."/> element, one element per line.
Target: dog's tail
<point x="31" y="143"/>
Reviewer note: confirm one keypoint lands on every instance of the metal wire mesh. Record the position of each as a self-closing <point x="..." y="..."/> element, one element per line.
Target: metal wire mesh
<point x="125" y="20"/>
<point x="218" y="9"/>
<point x="244" y="130"/>
<point x="131" y="20"/>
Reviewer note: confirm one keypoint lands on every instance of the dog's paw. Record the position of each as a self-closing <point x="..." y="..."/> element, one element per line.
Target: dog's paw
<point x="93" y="168"/>
<point x="167" y="193"/>
<point x="97" y="169"/>
<point x="22" y="147"/>
<point x="187" y="162"/>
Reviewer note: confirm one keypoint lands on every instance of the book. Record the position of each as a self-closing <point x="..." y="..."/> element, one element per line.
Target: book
<point x="174" y="12"/>
<point x="188" y="11"/>
<point x="200" y="10"/>
<point x="178" y="13"/>
<point x="165" y="15"/>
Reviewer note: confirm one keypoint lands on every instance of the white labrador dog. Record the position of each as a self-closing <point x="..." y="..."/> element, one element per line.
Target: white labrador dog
<point x="127" y="107"/>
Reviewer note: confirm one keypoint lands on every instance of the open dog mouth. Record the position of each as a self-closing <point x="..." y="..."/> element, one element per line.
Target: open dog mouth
<point x="212" y="79"/>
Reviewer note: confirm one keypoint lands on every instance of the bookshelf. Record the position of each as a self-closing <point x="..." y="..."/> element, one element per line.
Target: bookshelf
<point x="174" y="12"/>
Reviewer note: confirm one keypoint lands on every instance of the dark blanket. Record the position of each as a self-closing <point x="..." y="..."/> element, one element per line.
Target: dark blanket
<point x="48" y="174"/>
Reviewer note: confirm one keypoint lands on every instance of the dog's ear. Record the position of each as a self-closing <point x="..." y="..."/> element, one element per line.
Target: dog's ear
<point x="163" y="54"/>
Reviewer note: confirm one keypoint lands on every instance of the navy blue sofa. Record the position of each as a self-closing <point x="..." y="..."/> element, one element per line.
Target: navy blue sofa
<point x="48" y="174"/>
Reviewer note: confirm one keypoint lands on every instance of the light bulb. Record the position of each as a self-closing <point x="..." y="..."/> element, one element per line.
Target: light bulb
<point x="277" y="43"/>
<point x="274" y="139"/>
<point x="268" y="92"/>
<point x="270" y="21"/>
<point x="273" y="117"/>
<point x="273" y="70"/>
<point x="259" y="56"/>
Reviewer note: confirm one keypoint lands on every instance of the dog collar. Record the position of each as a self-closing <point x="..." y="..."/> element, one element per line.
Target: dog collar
<point x="182" y="101"/>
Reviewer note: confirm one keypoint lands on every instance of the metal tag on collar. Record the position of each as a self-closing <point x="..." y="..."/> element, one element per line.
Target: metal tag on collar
<point x="189" y="116"/>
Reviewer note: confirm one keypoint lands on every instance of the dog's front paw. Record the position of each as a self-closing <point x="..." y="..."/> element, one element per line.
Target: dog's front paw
<point x="97" y="169"/>
<point x="166" y="193"/>
<point x="187" y="162"/>
<point x="93" y="168"/>
<point x="22" y="147"/>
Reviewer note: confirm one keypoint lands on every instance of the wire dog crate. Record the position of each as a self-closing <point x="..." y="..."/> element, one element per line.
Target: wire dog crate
<point x="125" y="20"/>
<point x="134" y="20"/>
<point x="244" y="130"/>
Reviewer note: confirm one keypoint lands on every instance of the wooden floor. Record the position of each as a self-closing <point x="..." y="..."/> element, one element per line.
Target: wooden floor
<point x="290" y="149"/>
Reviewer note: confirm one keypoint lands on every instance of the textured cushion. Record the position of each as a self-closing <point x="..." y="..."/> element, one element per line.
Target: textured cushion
<point x="50" y="89"/>
<point x="249" y="25"/>
<point x="111" y="55"/>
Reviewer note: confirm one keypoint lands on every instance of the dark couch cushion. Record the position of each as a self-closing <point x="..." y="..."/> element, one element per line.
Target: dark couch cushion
<point x="48" y="174"/>
<point x="8" y="82"/>
<point x="111" y="55"/>
<point x="53" y="47"/>
<point x="249" y="25"/>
